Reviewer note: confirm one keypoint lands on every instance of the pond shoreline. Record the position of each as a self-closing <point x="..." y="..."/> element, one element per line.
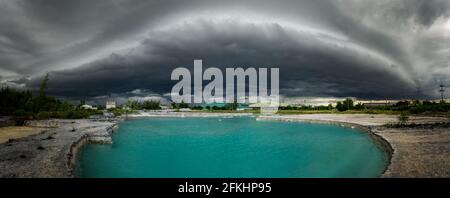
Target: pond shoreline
<point x="382" y="143"/>
<point x="414" y="151"/>
<point x="53" y="153"/>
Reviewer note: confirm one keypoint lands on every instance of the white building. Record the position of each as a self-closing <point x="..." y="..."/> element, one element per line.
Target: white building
<point x="85" y="106"/>
<point x="164" y="107"/>
<point x="110" y="104"/>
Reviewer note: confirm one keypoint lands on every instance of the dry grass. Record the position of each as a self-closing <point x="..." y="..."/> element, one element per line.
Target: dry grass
<point x="14" y="132"/>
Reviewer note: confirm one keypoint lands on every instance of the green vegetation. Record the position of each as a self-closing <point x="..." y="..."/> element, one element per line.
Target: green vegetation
<point x="147" y="105"/>
<point x="24" y="105"/>
<point x="119" y="111"/>
<point x="307" y="108"/>
<point x="348" y="107"/>
<point x="416" y="107"/>
<point x="226" y="107"/>
<point x="181" y="105"/>
<point x="403" y="118"/>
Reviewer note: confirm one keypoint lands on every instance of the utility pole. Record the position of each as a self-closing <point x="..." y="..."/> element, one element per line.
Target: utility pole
<point x="441" y="90"/>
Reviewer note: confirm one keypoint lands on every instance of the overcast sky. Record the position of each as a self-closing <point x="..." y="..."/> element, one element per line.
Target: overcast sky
<point x="372" y="49"/>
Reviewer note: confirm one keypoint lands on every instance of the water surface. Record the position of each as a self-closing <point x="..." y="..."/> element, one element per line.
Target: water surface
<point x="232" y="147"/>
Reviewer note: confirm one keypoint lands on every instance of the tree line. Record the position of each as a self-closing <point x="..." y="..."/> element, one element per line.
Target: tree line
<point x="413" y="107"/>
<point x="26" y="105"/>
<point x="147" y="105"/>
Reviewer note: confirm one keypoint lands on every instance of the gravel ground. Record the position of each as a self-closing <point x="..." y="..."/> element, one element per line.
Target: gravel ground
<point x="51" y="152"/>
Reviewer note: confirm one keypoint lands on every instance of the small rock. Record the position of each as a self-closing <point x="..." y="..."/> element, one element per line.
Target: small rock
<point x="49" y="138"/>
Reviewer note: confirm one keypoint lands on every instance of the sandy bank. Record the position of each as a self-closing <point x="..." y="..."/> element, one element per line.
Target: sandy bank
<point x="419" y="151"/>
<point x="14" y="132"/>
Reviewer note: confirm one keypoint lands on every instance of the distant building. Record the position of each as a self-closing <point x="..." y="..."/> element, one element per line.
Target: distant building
<point x="243" y="107"/>
<point x="375" y="104"/>
<point x="164" y="107"/>
<point x="316" y="102"/>
<point x="185" y="110"/>
<point x="85" y="106"/>
<point x="259" y="106"/>
<point x="110" y="104"/>
<point x="256" y="106"/>
<point x="438" y="101"/>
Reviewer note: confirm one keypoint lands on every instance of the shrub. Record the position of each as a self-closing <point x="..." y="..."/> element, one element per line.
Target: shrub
<point x="43" y="115"/>
<point x="60" y="114"/>
<point x="340" y="106"/>
<point x="403" y="118"/>
<point x="116" y="111"/>
<point x="19" y="112"/>
<point x="77" y="114"/>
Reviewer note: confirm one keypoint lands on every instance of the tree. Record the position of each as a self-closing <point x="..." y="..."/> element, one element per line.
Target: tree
<point x="403" y="118"/>
<point x="23" y="105"/>
<point x="197" y="107"/>
<point x="359" y="106"/>
<point x="340" y="106"/>
<point x="183" y="105"/>
<point x="151" y="105"/>
<point x="348" y="104"/>
<point x="129" y="104"/>
<point x="330" y="106"/>
<point x="12" y="100"/>
<point x="402" y="105"/>
<point x="44" y="84"/>
<point x="235" y="105"/>
<point x="42" y="102"/>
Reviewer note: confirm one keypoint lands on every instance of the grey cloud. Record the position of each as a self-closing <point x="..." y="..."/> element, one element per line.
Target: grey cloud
<point x="430" y="10"/>
<point x="82" y="27"/>
<point x="302" y="58"/>
<point x="385" y="50"/>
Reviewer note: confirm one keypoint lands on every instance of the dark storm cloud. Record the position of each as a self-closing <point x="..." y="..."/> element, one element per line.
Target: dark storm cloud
<point x="302" y="57"/>
<point x="77" y="28"/>
<point x="368" y="49"/>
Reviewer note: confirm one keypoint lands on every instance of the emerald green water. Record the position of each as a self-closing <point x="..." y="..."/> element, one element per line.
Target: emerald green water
<point x="238" y="147"/>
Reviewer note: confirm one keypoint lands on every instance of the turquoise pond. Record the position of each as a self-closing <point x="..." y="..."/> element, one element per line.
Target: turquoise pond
<point x="239" y="147"/>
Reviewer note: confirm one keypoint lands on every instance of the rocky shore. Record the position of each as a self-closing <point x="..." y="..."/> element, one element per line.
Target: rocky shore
<point x="52" y="152"/>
